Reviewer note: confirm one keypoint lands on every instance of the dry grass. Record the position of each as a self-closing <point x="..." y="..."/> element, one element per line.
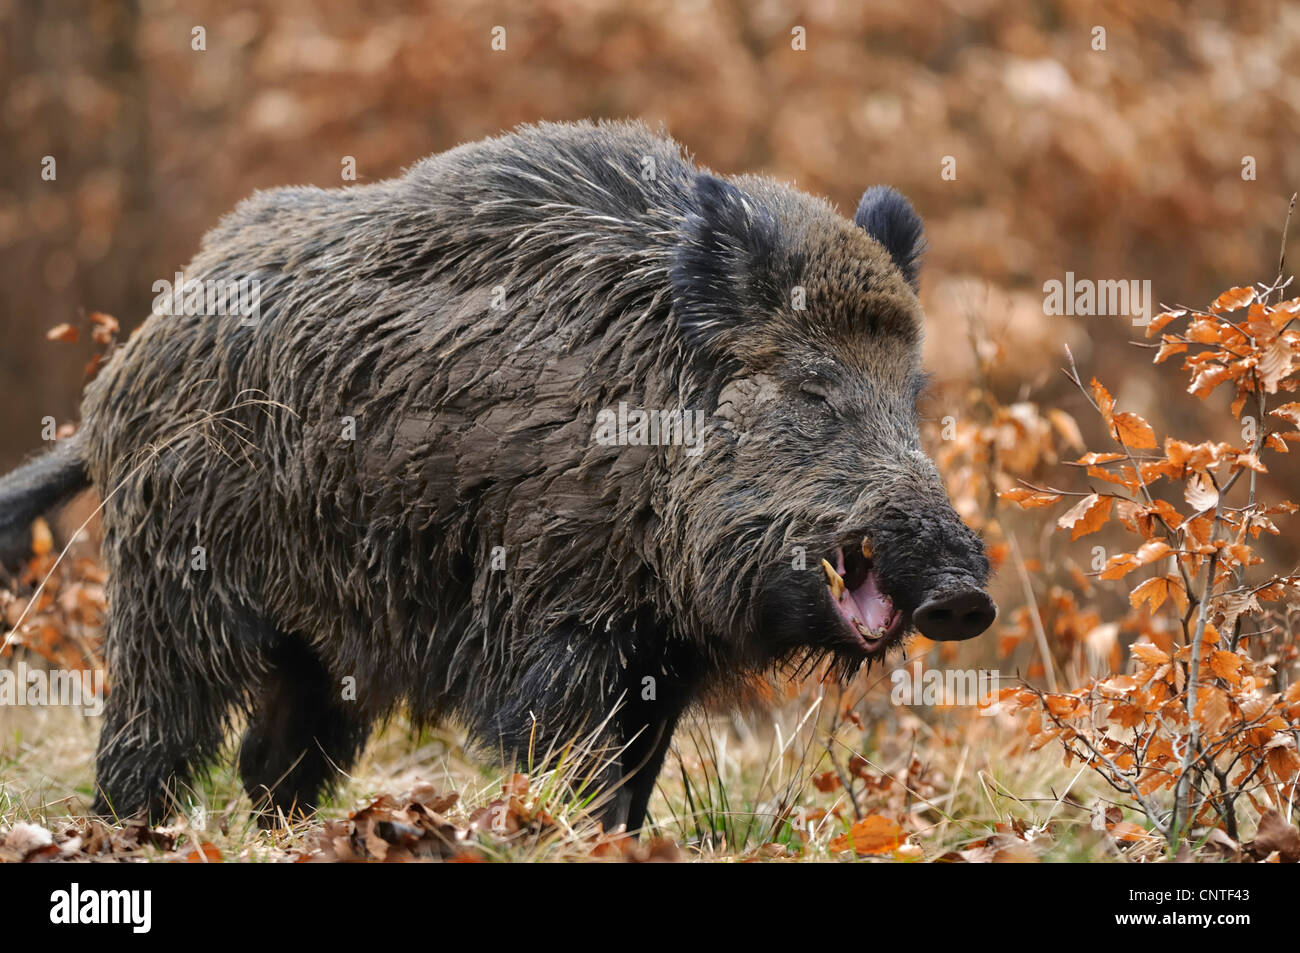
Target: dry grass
<point x="765" y="787"/>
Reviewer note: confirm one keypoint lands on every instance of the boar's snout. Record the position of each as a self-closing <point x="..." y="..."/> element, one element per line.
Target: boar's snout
<point x="933" y="565"/>
<point x="955" y="614"/>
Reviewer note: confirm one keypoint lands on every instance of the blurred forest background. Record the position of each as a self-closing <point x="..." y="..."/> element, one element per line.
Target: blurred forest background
<point x="1117" y="163"/>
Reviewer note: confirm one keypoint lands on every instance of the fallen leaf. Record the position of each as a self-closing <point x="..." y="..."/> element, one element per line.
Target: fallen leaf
<point x="873" y="835"/>
<point x="1276" y="835"/>
<point x="205" y="853"/>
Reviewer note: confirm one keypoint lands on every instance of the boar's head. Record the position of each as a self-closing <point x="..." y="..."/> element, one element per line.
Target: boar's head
<point x="814" y="521"/>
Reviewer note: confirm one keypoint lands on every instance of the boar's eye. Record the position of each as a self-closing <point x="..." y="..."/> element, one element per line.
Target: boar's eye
<point x="816" y="390"/>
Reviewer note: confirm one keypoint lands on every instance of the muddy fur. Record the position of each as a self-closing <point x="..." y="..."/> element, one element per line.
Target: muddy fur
<point x="371" y="563"/>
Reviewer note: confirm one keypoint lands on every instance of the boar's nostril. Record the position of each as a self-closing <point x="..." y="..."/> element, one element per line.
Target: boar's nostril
<point x="954" y="616"/>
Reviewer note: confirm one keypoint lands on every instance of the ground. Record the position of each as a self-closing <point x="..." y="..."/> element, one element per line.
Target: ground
<point x="954" y="786"/>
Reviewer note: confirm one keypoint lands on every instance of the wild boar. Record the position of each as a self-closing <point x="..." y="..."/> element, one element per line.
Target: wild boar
<point x="553" y="434"/>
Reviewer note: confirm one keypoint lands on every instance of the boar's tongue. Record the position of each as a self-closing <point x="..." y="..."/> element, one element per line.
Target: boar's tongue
<point x="862" y="601"/>
<point x="869" y="604"/>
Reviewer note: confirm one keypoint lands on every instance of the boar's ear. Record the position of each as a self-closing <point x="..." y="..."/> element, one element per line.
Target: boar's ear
<point x="721" y="270"/>
<point x="890" y="219"/>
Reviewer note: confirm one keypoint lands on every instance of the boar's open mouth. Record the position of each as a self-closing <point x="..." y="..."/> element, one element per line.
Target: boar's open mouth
<point x="855" y="590"/>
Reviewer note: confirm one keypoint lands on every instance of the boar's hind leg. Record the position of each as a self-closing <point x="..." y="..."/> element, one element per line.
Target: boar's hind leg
<point x="299" y="735"/>
<point x="163" y="717"/>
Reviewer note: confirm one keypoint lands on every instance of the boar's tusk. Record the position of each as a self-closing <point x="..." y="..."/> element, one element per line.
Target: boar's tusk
<point x="836" y="583"/>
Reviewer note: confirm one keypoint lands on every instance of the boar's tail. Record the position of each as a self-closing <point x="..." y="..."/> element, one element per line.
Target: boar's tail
<point x="38" y="485"/>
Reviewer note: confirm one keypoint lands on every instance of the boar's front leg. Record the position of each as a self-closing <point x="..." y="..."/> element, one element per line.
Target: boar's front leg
<point x="631" y="686"/>
<point x="645" y="756"/>
<point x="628" y="782"/>
<point x="651" y="708"/>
